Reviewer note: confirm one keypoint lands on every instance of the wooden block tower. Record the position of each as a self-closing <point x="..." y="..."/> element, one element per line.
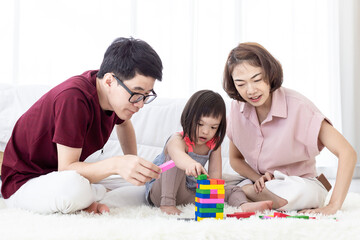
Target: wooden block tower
<point x="209" y="198"/>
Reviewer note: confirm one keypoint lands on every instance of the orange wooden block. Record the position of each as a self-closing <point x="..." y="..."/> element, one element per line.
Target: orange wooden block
<point x="213" y="181"/>
<point x="222" y="196"/>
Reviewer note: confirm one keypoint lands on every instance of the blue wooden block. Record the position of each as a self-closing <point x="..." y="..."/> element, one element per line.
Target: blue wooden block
<point x="209" y="205"/>
<point x="205" y="215"/>
<point x="200" y="195"/>
<point x="204" y="182"/>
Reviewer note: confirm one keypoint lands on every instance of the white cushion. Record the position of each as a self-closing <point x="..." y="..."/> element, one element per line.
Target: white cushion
<point x="14" y="102"/>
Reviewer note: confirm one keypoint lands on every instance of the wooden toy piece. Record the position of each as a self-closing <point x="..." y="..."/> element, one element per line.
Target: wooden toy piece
<point x="209" y="205"/>
<point x="280" y="215"/>
<point x="241" y="214"/>
<point x="201" y="200"/>
<point x="209" y="210"/>
<point x="217" y="186"/>
<point x="167" y="165"/>
<point x="212" y="181"/>
<point x="209" y="198"/>
<point x="204" y="182"/>
<point x="218" y="215"/>
<point x="220" y="181"/>
<point x="300" y="216"/>
<point x="201" y="177"/>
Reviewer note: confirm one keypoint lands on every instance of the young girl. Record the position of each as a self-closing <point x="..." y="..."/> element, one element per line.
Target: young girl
<point x="279" y="132"/>
<point x="204" y="126"/>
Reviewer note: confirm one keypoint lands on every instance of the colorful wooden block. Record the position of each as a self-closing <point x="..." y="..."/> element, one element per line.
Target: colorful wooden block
<point x="220" y="181"/>
<point x="209" y="198"/>
<point x="209" y="205"/>
<point x="205" y="182"/>
<point x="201" y="177"/>
<point x="203" y="191"/>
<point x="241" y="214"/>
<point x="200" y="200"/>
<point x="215" y="186"/>
<point x="209" y="210"/>
<point x="167" y="165"/>
<point x="280" y="215"/>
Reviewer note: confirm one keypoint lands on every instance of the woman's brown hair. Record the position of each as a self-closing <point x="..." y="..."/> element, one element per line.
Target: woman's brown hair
<point x="257" y="56"/>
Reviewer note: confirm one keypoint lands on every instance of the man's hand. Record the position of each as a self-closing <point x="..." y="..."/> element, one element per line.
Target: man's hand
<point x="137" y="170"/>
<point x="259" y="184"/>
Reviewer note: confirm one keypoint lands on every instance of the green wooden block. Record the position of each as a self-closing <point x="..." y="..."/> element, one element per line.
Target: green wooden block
<point x="203" y="191"/>
<point x="202" y="177"/>
<point x="219" y="205"/>
<point x="210" y="210"/>
<point x="301" y="216"/>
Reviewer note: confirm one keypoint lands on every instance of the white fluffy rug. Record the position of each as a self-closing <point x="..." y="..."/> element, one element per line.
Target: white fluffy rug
<point x="144" y="222"/>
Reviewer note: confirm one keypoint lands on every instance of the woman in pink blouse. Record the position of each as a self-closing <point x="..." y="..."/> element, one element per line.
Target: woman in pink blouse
<point x="275" y="134"/>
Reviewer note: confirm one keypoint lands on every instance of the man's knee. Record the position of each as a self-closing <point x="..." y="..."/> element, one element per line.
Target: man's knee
<point x="72" y="192"/>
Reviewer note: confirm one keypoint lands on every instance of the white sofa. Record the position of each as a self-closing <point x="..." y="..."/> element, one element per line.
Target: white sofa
<point x="153" y="124"/>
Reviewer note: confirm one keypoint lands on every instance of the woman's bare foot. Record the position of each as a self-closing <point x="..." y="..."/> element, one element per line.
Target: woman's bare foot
<point x="96" y="207"/>
<point x="256" y="206"/>
<point x="172" y="210"/>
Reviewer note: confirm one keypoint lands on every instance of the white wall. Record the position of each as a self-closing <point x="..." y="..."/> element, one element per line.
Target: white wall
<point x="350" y="72"/>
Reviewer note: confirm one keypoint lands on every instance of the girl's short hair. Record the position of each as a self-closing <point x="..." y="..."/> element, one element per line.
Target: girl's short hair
<point x="257" y="56"/>
<point x="204" y="103"/>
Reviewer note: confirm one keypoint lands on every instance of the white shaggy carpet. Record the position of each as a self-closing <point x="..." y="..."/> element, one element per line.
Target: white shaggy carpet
<point x="144" y="222"/>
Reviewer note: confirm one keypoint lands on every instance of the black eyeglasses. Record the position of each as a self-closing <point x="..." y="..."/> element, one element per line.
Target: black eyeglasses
<point x="137" y="97"/>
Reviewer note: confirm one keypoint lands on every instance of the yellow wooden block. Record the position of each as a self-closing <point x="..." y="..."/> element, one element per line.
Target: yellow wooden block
<point x="199" y="219"/>
<point x="221" y="192"/>
<point x="219" y="216"/>
<point x="216" y="186"/>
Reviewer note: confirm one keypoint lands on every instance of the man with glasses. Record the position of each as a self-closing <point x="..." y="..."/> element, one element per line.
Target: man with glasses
<point x="44" y="169"/>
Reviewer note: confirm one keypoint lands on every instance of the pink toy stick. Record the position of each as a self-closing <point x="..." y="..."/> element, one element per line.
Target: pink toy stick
<point x="167" y="165"/>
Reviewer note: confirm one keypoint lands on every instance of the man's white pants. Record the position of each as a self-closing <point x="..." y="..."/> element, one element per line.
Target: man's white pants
<point x="68" y="192"/>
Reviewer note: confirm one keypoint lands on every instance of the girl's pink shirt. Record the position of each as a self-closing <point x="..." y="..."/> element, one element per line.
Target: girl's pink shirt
<point x="190" y="144"/>
<point x="287" y="140"/>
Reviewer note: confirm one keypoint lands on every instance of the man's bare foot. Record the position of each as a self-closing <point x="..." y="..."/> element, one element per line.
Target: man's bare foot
<point x="256" y="206"/>
<point x="172" y="210"/>
<point x="96" y="207"/>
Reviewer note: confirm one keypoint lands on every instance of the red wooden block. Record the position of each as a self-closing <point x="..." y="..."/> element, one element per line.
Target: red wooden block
<point x="241" y="214"/>
<point x="213" y="196"/>
<point x="280" y="215"/>
<point x="220" y="181"/>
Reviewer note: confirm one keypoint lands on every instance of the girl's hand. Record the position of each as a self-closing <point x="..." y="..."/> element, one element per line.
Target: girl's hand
<point x="260" y="183"/>
<point x="195" y="169"/>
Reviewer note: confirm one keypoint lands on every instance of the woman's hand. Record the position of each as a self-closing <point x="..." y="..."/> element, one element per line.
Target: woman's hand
<point x="195" y="169"/>
<point x="260" y="183"/>
<point x="327" y="210"/>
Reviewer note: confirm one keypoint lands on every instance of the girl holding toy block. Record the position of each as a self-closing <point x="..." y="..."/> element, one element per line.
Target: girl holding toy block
<point x="204" y="126"/>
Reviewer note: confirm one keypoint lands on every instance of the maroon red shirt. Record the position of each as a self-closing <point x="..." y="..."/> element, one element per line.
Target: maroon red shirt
<point x="69" y="114"/>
